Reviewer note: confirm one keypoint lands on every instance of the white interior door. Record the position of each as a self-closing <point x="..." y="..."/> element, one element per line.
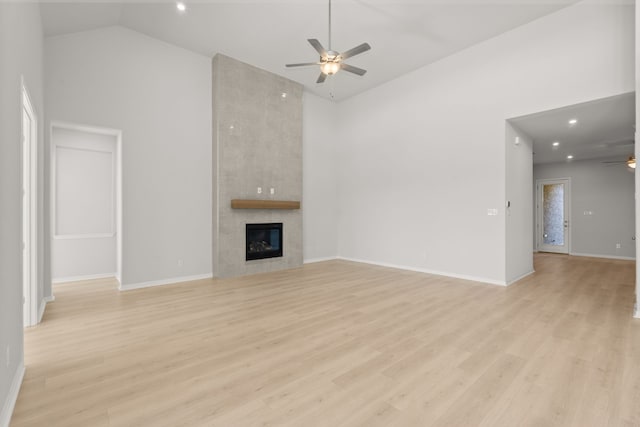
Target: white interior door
<point x="29" y="212"/>
<point x="553" y="215"/>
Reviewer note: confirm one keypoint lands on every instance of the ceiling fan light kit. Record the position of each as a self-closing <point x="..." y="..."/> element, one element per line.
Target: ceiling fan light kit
<point x="330" y="67"/>
<point x="631" y="162"/>
<point x="330" y="60"/>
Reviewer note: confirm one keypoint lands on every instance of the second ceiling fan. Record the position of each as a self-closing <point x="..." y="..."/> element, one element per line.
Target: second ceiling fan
<point x="630" y="162"/>
<point x="331" y="60"/>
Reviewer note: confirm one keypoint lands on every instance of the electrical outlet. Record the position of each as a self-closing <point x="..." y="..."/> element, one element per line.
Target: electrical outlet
<point x="259" y="190"/>
<point x="618" y="246"/>
<point x="180" y="263"/>
<point x="272" y="191"/>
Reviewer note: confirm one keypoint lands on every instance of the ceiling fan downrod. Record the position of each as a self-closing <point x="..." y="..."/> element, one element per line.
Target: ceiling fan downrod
<point x="329" y="25"/>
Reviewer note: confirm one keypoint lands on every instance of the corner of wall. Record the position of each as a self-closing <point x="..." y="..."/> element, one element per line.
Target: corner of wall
<point x="12" y="396"/>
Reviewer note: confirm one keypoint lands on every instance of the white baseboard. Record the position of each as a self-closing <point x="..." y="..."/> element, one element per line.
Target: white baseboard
<point x="522" y="276"/>
<point x="427" y="271"/>
<point x="636" y="311"/>
<point x="171" y="281"/>
<point x="627" y="258"/>
<point x="314" y="260"/>
<point x="12" y="397"/>
<point x="43" y="305"/>
<point x="81" y="278"/>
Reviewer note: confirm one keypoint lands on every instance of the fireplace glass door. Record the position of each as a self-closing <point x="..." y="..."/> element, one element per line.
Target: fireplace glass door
<point x="263" y="241"/>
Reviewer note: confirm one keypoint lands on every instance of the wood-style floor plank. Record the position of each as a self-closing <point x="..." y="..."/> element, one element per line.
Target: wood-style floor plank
<point x="341" y="344"/>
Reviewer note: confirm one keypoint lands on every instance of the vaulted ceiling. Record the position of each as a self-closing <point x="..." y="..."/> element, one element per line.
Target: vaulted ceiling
<point x="404" y="34"/>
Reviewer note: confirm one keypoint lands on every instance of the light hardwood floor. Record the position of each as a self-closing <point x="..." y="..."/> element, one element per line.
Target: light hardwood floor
<point x="341" y="344"/>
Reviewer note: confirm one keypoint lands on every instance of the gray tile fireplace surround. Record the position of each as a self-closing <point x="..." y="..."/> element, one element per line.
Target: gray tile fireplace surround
<point x="257" y="142"/>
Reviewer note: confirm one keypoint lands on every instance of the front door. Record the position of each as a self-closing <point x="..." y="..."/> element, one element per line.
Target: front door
<point x="553" y="215"/>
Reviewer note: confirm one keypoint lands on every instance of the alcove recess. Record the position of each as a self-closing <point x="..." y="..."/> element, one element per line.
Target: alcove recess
<point x="257" y="142"/>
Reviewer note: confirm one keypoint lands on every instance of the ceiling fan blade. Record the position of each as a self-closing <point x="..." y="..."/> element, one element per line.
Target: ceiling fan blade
<point x="318" y="46"/>
<point x="302" y="64"/>
<point x="355" y="51"/>
<point x="621" y="143"/>
<point x="352" y="69"/>
<point x="321" y="78"/>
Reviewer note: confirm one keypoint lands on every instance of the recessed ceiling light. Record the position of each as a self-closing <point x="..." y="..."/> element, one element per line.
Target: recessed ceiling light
<point x="181" y="6"/>
<point x="573" y="121"/>
<point x="570" y="156"/>
<point x="555" y="144"/>
<point x="283" y="94"/>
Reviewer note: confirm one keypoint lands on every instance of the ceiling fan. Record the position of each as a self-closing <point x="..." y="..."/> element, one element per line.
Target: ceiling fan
<point x="630" y="162"/>
<point x="331" y="60"/>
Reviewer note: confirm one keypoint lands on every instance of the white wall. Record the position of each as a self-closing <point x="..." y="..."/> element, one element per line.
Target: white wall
<point x="422" y="158"/>
<point x="607" y="191"/>
<point x="84" y="205"/>
<point x="20" y="54"/>
<point x="519" y="195"/>
<point x="320" y="185"/>
<point x="637" y="152"/>
<point x="160" y="97"/>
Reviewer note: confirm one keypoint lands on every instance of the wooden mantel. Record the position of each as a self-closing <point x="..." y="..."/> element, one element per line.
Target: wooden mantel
<point x="264" y="204"/>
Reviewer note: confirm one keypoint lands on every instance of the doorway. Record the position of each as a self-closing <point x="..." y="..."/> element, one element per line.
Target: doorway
<point x="29" y="152"/>
<point x="86" y="202"/>
<point x="552" y="218"/>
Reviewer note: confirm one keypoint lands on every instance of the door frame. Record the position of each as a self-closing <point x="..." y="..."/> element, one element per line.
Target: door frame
<point x="29" y="207"/>
<point x="117" y="134"/>
<point x="539" y="209"/>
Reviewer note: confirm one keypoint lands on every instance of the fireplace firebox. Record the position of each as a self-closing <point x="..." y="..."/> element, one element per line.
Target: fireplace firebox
<point x="264" y="241"/>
